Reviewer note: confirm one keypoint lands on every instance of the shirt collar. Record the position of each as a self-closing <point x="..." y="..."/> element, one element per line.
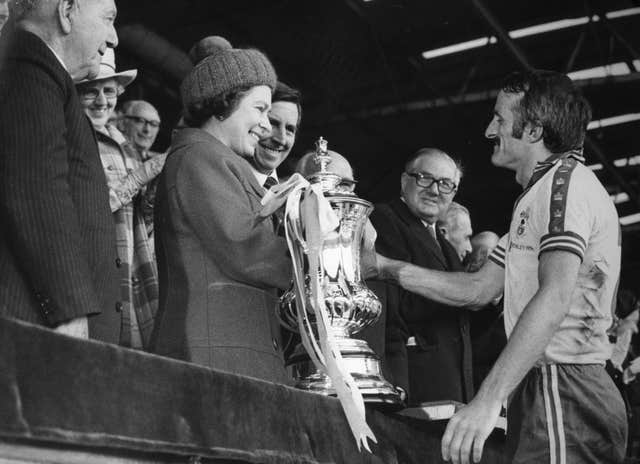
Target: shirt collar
<point x="57" y="56"/>
<point x="543" y="166"/>
<point x="430" y="226"/>
<point x="261" y="177"/>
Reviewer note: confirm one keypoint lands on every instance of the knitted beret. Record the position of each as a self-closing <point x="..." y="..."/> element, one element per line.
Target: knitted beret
<point x="220" y="68"/>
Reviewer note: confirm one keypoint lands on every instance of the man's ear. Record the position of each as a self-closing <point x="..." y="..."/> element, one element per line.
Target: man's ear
<point x="533" y="132"/>
<point x="404" y="178"/>
<point x="65" y="11"/>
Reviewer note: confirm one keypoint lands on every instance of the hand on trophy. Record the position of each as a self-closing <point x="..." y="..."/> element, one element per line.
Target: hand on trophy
<point x="368" y="260"/>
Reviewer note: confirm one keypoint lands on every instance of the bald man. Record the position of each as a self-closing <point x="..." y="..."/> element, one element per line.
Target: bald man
<point x="455" y="226"/>
<point x="428" y="348"/>
<point x="307" y="167"/>
<point x="140" y="123"/>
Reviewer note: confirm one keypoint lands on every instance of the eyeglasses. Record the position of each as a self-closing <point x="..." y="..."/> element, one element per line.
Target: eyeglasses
<point x="142" y="121"/>
<point x="346" y="185"/>
<point x="91" y="93"/>
<point x="426" y="181"/>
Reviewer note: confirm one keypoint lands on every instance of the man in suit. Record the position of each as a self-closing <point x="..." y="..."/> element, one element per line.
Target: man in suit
<point x="285" y="116"/>
<point x="57" y="240"/>
<point x="427" y="346"/>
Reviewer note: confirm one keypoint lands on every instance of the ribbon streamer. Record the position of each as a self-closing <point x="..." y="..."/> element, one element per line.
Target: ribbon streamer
<point x="308" y="219"/>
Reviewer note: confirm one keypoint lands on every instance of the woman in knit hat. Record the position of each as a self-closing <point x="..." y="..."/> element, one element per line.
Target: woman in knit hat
<point x="127" y="178"/>
<point x="220" y="263"/>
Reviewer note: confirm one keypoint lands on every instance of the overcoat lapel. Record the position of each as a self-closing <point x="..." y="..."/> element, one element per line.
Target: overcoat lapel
<point x="420" y="231"/>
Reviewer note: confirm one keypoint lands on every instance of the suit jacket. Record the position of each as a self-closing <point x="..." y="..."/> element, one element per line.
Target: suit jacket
<point x="219" y="263"/>
<point x="438" y="367"/>
<point x="57" y="237"/>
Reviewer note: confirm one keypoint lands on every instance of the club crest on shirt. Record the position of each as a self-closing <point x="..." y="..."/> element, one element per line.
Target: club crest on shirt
<point x="522" y="225"/>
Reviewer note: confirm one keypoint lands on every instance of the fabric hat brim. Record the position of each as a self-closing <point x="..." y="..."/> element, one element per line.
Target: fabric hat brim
<point x="124" y="78"/>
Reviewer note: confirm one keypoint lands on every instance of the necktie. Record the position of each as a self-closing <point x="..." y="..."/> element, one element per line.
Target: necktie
<point x="269" y="182"/>
<point x="432" y="232"/>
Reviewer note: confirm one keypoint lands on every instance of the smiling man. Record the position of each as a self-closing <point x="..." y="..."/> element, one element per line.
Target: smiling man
<point x="424" y="337"/>
<point x="558" y="267"/>
<point x="57" y="239"/>
<point x="140" y="123"/>
<point x="285" y="116"/>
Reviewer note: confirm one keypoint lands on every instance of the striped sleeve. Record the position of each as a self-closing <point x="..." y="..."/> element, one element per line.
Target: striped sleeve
<point x="567" y="241"/>
<point x="569" y="214"/>
<point x="498" y="254"/>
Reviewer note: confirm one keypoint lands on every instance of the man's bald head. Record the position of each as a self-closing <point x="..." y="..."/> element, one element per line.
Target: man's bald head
<point x="427" y="153"/>
<point x="486" y="239"/>
<point x="482" y="244"/>
<point x="140" y="123"/>
<point x="456" y="228"/>
<point x="339" y="165"/>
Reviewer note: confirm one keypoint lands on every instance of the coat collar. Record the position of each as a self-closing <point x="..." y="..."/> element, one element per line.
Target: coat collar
<point x="420" y="231"/>
<point x="190" y="135"/>
<point x="24" y="44"/>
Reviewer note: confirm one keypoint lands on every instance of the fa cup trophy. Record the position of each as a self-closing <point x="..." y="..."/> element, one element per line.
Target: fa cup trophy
<point x="340" y="292"/>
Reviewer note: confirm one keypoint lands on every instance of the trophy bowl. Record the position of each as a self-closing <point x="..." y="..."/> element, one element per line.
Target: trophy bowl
<point x="349" y="305"/>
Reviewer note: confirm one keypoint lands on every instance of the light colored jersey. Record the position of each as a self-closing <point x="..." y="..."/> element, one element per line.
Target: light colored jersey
<point x="565" y="208"/>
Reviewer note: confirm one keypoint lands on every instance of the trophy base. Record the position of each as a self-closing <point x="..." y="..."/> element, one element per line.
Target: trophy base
<point x="362" y="363"/>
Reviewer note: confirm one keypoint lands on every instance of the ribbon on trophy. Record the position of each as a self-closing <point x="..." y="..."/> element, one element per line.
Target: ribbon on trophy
<point x="308" y="219"/>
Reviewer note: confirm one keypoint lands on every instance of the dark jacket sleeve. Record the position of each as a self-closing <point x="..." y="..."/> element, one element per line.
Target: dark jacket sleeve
<point x="396" y="332"/>
<point x="40" y="222"/>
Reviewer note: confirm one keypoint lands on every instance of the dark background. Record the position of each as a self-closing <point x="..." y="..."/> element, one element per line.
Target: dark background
<point x="370" y="93"/>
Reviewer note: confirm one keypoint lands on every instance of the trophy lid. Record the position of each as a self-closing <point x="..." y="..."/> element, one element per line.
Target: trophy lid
<point x="331" y="182"/>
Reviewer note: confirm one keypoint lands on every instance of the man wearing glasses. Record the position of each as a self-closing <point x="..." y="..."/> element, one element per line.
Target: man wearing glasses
<point x="427" y="344"/>
<point x="140" y="123"/>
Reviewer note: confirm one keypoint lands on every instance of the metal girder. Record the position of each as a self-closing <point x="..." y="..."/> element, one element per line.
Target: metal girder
<point x="631" y="51"/>
<point x="441" y="102"/>
<point x="522" y="59"/>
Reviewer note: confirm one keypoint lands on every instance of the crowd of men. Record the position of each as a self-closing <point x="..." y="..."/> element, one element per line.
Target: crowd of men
<point x="77" y="243"/>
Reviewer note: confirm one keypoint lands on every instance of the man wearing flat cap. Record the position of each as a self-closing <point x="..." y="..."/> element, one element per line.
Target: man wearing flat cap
<point x="57" y="240"/>
<point x="127" y="178"/>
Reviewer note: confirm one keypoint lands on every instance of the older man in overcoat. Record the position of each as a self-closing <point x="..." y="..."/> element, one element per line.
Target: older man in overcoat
<point x="58" y="263"/>
<point x="428" y="346"/>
